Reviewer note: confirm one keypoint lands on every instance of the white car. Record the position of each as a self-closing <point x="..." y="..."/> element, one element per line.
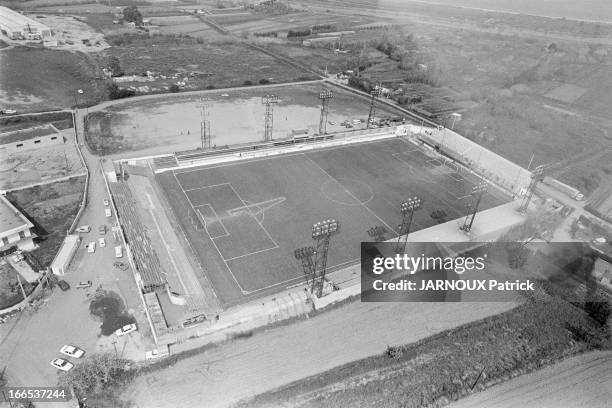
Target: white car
<point x="91" y="247"/>
<point x="62" y="364"/>
<point x="155" y="353"/>
<point x="106" y="201"/>
<point x="84" y="228"/>
<point x="107" y="212"/>
<point x="128" y="328"/>
<point x="118" y="252"/>
<point x="101" y="242"/>
<point x="72" y="351"/>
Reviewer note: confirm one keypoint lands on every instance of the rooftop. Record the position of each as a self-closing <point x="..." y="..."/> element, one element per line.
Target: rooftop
<point x="10" y="217"/>
<point x="14" y="21"/>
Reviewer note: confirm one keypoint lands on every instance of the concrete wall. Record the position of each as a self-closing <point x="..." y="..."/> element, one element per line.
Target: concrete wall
<point x="34" y="143"/>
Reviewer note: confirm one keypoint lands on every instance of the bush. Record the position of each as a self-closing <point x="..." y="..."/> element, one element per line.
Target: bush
<point x="174" y="88"/>
<point x="264" y="81"/>
<point x="96" y="373"/>
<point x="247" y="83"/>
<point x="114" y="92"/>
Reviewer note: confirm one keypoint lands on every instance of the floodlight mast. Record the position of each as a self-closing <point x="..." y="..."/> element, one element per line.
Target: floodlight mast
<point x="269" y="101"/>
<point x="374" y="93"/>
<point x="205" y="136"/>
<point x="536" y="177"/>
<point x="324" y="95"/>
<point x="477" y="192"/>
<point x="322" y="233"/>
<point x="305" y="254"/>
<point x="407" y="208"/>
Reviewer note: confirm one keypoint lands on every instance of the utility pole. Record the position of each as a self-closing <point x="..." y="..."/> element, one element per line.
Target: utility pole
<point x="477" y="192"/>
<point x="269" y="101"/>
<point x="407" y="208"/>
<point x="324" y="95"/>
<point x="374" y="93"/>
<point x="536" y="177"/>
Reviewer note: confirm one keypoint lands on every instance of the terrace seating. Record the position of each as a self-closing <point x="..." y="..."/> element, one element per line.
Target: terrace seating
<point x="145" y="257"/>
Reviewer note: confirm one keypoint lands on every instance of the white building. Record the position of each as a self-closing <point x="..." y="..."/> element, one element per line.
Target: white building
<point x="16" y="26"/>
<point x="15" y="228"/>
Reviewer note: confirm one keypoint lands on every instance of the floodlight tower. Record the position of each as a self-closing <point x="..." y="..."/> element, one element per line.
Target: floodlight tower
<point x="407" y="208"/>
<point x="377" y="233"/>
<point x="205" y="136"/>
<point x="269" y="101"/>
<point x="305" y="254"/>
<point x="536" y="177"/>
<point x="324" y="95"/>
<point x="374" y="93"/>
<point x="322" y="233"/>
<point x="477" y="192"/>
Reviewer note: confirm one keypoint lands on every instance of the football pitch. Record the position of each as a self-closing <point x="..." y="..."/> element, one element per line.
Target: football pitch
<point x="244" y="219"/>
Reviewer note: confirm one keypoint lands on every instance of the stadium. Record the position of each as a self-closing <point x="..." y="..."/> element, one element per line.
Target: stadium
<point x="218" y="230"/>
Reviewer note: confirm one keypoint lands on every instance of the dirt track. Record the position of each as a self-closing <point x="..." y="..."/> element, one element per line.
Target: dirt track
<point x="584" y="381"/>
<point x="222" y="376"/>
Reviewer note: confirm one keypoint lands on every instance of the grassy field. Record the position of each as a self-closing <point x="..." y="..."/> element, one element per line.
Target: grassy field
<point x="257" y="212"/>
<point x="173" y="121"/>
<point x="38" y="79"/>
<point x="450" y="365"/>
<point x="52" y="208"/>
<point x="10" y="292"/>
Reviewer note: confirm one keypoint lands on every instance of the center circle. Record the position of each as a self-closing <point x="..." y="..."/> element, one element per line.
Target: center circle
<point x="347" y="191"/>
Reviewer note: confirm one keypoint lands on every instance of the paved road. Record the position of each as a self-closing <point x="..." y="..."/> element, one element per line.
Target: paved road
<point x="243" y="368"/>
<point x="579" y="382"/>
<point x="28" y="343"/>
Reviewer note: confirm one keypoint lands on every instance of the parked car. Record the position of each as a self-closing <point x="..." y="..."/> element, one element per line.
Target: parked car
<point x="106" y="202"/>
<point x="91" y="247"/>
<point x="118" y="251"/>
<point x="62" y="364"/>
<point x="121" y="265"/>
<point x="107" y="212"/>
<point x="128" y="328"/>
<point x="83" y="285"/>
<point x="72" y="351"/>
<point x="101" y="242"/>
<point x="102" y="229"/>
<point x="84" y="228"/>
<point x="63" y="285"/>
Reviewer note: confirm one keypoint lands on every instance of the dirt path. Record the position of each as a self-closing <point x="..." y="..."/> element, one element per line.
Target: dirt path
<point x="244" y="368"/>
<point x="582" y="381"/>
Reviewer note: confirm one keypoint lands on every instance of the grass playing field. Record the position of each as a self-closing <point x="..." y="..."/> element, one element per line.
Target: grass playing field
<point x="251" y="215"/>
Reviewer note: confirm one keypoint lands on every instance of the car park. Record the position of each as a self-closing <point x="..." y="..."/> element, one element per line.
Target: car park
<point x="101" y="242"/>
<point x="128" y="328"/>
<point x="63" y="285"/>
<point x="62" y="364"/>
<point x="72" y="351"/>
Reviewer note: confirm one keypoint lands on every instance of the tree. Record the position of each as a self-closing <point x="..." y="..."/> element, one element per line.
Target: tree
<point x="114" y="66"/>
<point x="131" y="14"/>
<point x="174" y="88"/>
<point x="95" y="373"/>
